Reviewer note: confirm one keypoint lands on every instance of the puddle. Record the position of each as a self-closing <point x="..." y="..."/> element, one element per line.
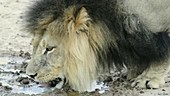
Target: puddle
<point x="98" y="85"/>
<point x="11" y="70"/>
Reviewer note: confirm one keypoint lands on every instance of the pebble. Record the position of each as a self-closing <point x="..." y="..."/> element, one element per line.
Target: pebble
<point x="163" y="90"/>
<point x="7" y="88"/>
<point x="23" y="80"/>
<point x="141" y="92"/>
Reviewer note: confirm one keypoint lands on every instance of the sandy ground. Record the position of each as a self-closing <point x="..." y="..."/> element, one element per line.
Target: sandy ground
<point x="13" y="39"/>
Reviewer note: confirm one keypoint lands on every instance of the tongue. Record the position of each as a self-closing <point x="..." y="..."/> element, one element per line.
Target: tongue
<point x="44" y="85"/>
<point x="52" y="83"/>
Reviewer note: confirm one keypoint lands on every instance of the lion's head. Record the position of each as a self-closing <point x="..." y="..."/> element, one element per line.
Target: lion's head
<point x="67" y="47"/>
<point x="48" y="58"/>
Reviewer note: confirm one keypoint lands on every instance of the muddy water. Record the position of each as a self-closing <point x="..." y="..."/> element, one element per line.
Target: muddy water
<point x="12" y="76"/>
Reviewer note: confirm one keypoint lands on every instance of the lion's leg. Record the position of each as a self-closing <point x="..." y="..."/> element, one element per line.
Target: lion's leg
<point x="153" y="76"/>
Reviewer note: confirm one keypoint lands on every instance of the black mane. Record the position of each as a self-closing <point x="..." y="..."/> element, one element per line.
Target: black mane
<point x="136" y="43"/>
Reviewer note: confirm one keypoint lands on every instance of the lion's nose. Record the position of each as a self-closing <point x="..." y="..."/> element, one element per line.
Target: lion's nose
<point x="33" y="76"/>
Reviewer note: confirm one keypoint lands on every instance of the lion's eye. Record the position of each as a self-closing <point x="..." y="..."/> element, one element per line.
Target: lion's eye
<point x="48" y="49"/>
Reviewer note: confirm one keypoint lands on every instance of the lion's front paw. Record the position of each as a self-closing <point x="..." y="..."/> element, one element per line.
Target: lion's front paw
<point x="149" y="83"/>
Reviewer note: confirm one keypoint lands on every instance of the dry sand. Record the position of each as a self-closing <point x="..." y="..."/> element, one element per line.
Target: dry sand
<point x="13" y="39"/>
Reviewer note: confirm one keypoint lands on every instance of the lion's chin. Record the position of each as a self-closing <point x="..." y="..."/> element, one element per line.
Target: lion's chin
<point x="53" y="83"/>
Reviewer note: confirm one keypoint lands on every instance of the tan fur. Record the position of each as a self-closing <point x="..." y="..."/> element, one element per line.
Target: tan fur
<point x="39" y="31"/>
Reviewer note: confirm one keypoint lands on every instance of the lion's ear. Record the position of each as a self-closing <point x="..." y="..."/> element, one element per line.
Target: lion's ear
<point x="77" y="19"/>
<point x="82" y="20"/>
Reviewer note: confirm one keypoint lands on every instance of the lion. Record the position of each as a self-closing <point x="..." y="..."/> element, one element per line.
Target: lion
<point x="77" y="40"/>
